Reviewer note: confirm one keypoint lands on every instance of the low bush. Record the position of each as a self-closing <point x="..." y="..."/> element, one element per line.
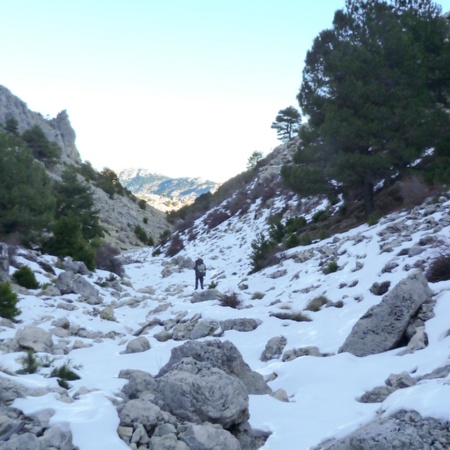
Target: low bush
<point x="316" y="303"/>
<point x="231" y="300"/>
<point x="106" y="258"/>
<point x="216" y="217"/>
<point x="332" y="266"/>
<point x="439" y="269"/>
<point x="30" y="363"/>
<point x="142" y="236"/>
<point x="297" y="316"/>
<point x="175" y="247"/>
<point x="264" y="254"/>
<point x="25" y="277"/>
<point x="65" y="372"/>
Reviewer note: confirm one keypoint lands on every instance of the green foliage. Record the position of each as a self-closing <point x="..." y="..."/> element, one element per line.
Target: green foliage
<point x="75" y="198"/>
<point x="254" y="159"/>
<point x="87" y="171"/>
<point x="293" y="240"/>
<point x="65" y="372"/>
<point x="263" y="254"/>
<point x="27" y="202"/>
<point x="30" y="363"/>
<point x="319" y="216"/>
<point x="332" y="266"/>
<point x="12" y="126"/>
<point x="287" y="123"/>
<point x="43" y="149"/>
<point x="305" y="239"/>
<point x="108" y="181"/>
<point x="374" y="92"/>
<point x="76" y="228"/>
<point x="373" y="219"/>
<point x="142" y="236"/>
<point x="25" y="277"/>
<point x="288" y="234"/>
<point x="142" y="204"/>
<point x="68" y="240"/>
<point x="8" y="302"/>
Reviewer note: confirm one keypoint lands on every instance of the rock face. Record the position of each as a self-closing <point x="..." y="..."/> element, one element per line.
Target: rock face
<point x="383" y="326"/>
<point x="120" y="215"/>
<point x="56" y="130"/>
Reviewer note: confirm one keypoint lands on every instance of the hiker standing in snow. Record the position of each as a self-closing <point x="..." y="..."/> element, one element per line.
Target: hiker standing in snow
<point x="200" y="270"/>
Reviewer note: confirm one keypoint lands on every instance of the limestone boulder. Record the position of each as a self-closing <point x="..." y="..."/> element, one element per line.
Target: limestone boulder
<point x="222" y="355"/>
<point x="383" y="326"/>
<point x="197" y="392"/>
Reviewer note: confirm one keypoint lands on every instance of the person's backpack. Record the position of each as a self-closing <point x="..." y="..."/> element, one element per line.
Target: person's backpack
<point x="201" y="269"/>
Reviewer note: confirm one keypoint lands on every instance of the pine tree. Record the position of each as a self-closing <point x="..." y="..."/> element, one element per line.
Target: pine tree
<point x="8" y="302"/>
<point x="287" y="123"/>
<point x="27" y="202"/>
<point x="374" y="92"/>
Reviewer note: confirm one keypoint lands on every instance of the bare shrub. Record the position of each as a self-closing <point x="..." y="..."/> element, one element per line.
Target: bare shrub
<point x="439" y="269"/>
<point x="316" y="303"/>
<point x="297" y="316"/>
<point x="216" y="217"/>
<point x="106" y="258"/>
<point x="238" y="203"/>
<point x="231" y="300"/>
<point x="414" y="191"/>
<point x="176" y="245"/>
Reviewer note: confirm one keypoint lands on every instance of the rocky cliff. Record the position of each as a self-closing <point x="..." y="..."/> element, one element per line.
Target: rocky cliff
<point x="119" y="215"/>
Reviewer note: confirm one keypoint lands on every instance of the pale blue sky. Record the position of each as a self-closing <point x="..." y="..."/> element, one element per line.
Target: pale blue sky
<point x="178" y="87"/>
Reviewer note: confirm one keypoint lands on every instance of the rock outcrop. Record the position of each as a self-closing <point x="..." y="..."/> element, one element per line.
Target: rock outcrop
<point x="383" y="326"/>
<point x="57" y="130"/>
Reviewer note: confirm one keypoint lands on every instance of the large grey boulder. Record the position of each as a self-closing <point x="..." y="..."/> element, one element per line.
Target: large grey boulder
<point x="383" y="326"/>
<point x="274" y="348"/>
<point x="71" y="283"/>
<point x="223" y="355"/>
<point x="139" y="383"/>
<point x="138" y="345"/>
<point x="197" y="392"/>
<point x="34" y="338"/>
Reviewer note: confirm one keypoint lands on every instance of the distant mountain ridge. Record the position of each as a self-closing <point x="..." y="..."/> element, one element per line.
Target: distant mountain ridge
<point x="163" y="192"/>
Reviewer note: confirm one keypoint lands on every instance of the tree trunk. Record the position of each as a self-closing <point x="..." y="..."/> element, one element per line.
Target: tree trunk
<point x="368" y="197"/>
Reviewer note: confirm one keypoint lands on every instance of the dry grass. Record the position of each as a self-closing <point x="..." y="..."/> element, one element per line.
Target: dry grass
<point x="296" y="316"/>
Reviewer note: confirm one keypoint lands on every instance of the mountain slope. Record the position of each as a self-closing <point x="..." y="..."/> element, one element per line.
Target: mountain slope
<point x="119" y="215"/>
<point x="319" y="386"/>
<point x="163" y="192"/>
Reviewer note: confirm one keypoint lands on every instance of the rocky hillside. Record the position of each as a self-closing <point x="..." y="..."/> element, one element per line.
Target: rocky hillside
<point x="338" y="344"/>
<point x="119" y="215"/>
<point x="164" y="193"/>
